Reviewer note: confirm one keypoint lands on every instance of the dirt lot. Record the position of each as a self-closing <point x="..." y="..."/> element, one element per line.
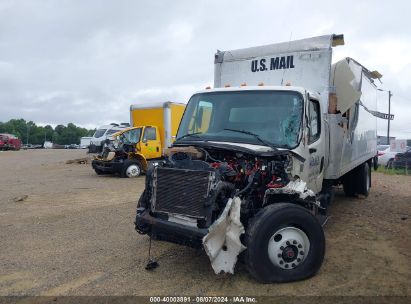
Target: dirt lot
<point x="74" y="235"/>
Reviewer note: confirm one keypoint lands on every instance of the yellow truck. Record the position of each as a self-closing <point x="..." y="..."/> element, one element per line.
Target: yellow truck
<point x="154" y="128"/>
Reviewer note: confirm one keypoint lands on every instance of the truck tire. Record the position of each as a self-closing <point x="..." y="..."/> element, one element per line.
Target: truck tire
<point x="375" y="163"/>
<point x="363" y="183"/>
<point x="285" y="243"/>
<point x="131" y="168"/>
<point x="348" y="183"/>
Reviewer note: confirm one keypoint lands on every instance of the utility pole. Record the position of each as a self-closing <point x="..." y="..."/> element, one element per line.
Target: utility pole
<point x="389" y="113"/>
<point x="389" y="119"/>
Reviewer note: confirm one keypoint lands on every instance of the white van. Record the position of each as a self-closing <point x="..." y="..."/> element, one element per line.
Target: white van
<point x="103" y="133"/>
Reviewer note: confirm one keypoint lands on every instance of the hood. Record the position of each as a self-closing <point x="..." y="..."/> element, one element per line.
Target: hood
<point x="258" y="150"/>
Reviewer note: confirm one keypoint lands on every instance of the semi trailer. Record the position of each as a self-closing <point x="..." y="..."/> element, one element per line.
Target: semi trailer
<point x="256" y="158"/>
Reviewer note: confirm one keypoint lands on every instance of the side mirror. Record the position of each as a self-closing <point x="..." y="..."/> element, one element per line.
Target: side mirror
<point x="144" y="140"/>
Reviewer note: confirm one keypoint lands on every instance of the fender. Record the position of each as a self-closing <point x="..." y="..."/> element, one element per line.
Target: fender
<point x="141" y="158"/>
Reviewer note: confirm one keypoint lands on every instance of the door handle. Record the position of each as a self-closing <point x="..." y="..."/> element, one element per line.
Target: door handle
<point x="146" y="144"/>
<point x="312" y="150"/>
<point x="157" y="149"/>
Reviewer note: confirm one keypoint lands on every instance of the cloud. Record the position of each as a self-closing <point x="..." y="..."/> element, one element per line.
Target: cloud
<point x="87" y="61"/>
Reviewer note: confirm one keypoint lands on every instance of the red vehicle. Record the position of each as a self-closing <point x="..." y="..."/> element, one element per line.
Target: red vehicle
<point x="9" y="142"/>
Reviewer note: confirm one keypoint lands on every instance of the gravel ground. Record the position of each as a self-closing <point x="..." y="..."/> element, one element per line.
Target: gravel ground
<point x="72" y="233"/>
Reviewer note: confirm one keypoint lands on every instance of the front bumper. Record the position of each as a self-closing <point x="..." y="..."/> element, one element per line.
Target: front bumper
<point x="107" y="166"/>
<point x="164" y="230"/>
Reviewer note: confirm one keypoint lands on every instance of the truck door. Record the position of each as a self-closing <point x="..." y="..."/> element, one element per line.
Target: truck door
<point x="316" y="146"/>
<point x="150" y="143"/>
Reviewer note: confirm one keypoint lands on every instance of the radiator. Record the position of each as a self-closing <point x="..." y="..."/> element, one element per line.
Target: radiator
<point x="181" y="191"/>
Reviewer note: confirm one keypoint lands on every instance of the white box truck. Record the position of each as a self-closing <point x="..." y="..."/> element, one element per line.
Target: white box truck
<point x="256" y="158"/>
<point x="85" y="142"/>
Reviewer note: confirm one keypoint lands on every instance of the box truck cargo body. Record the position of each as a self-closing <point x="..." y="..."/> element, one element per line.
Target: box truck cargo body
<point x="154" y="128"/>
<point x="256" y="158"/>
<point x="307" y="63"/>
<point x="166" y="116"/>
<point x="85" y="142"/>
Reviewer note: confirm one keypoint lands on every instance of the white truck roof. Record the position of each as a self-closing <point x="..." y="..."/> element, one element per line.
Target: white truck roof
<point x="300" y="63"/>
<point x="260" y="88"/>
<point x="304" y="63"/>
<point x="302" y="45"/>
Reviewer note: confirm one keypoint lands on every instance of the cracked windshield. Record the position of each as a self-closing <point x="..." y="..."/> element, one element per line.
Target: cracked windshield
<point x="131" y="137"/>
<point x="274" y="116"/>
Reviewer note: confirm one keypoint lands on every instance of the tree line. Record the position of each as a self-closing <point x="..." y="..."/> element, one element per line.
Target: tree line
<point x="30" y="133"/>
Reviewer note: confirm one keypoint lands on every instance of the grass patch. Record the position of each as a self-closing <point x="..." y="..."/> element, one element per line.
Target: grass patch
<point x="384" y="170"/>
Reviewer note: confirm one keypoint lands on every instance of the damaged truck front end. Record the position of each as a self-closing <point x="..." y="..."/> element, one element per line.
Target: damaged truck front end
<point x="229" y="185"/>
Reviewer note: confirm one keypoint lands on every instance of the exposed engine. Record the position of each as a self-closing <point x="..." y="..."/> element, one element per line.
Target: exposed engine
<point x="115" y="150"/>
<point x="205" y="196"/>
<point x="196" y="182"/>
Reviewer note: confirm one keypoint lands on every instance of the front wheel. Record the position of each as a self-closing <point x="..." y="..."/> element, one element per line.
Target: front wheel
<point x="285" y="243"/>
<point x="131" y="169"/>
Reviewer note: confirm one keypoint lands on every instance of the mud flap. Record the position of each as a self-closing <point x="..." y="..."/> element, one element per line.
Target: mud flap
<point x="222" y="243"/>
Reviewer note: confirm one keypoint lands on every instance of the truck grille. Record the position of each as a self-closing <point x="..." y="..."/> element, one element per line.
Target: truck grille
<point x="181" y="191"/>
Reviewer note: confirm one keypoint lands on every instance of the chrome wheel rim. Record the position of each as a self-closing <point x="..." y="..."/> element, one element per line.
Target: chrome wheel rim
<point x="133" y="171"/>
<point x="288" y="247"/>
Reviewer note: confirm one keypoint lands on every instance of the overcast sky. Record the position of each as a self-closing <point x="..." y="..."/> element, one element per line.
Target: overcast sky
<point x="86" y="61"/>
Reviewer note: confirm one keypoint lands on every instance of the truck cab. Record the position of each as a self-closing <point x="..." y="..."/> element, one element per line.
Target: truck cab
<point x="281" y="118"/>
<point x="10" y="142"/>
<point x="154" y="128"/>
<point x="128" y="152"/>
<point x="239" y="151"/>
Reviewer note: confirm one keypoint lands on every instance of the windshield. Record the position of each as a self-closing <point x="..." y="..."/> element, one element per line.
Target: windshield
<point x="131" y="137"/>
<point x="274" y="116"/>
<point x="99" y="133"/>
<point x="109" y="132"/>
